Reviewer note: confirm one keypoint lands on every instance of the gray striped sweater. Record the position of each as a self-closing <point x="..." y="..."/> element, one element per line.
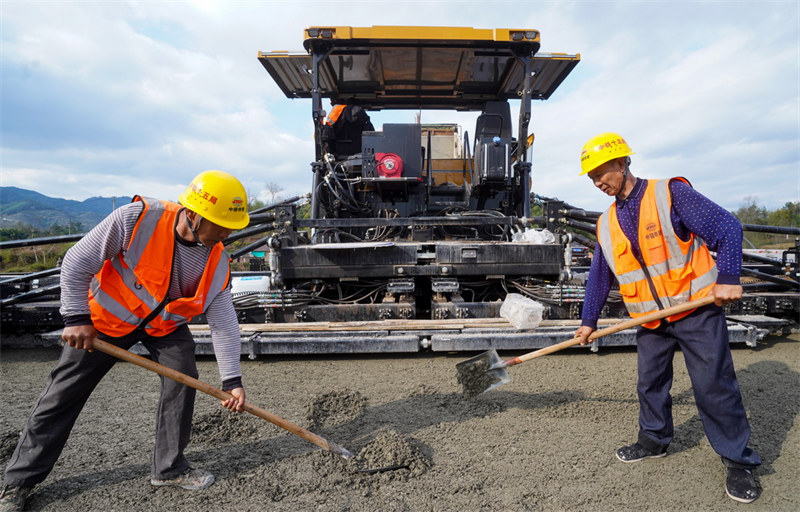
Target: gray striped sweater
<point x="108" y="239"/>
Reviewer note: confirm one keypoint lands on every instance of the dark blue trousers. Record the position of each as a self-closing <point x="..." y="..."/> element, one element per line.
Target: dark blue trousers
<point x="703" y="339"/>
<point x="71" y="382"/>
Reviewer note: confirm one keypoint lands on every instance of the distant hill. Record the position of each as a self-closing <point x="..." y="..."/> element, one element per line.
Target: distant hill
<point x="20" y="206"/>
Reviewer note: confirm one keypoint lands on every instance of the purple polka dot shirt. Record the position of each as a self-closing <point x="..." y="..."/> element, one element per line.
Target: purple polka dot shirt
<point x="691" y="213"/>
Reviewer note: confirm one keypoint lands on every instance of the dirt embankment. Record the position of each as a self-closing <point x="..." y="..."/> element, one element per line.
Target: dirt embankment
<point x="544" y="441"/>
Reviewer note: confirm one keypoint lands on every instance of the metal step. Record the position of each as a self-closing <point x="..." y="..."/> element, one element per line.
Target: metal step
<point x="400" y="337"/>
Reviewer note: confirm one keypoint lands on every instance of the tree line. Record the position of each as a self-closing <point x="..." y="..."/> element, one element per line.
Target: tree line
<point x="751" y="213"/>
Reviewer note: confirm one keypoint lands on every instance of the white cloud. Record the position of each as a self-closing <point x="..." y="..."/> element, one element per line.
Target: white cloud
<point x="112" y="98"/>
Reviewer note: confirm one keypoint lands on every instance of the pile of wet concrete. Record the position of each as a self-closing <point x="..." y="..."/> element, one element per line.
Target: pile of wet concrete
<point x="386" y="450"/>
<point x="379" y="452"/>
<point x="334" y="408"/>
<point x="223" y="426"/>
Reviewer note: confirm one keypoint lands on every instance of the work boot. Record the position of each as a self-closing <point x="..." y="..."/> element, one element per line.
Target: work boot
<point x="636" y="452"/>
<point x="741" y="485"/>
<point x="12" y="498"/>
<point x="192" y="479"/>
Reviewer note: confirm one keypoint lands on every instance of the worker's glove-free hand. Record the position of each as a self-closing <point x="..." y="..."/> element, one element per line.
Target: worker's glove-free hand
<point x="79" y="336"/>
<point x="583" y="333"/>
<point x="235" y="404"/>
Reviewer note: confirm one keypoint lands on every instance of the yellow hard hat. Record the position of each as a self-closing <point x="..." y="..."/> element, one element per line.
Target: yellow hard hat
<point x="601" y="149"/>
<point x="218" y="197"/>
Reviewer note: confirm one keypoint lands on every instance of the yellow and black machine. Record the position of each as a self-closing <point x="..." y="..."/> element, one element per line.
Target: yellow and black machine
<point x="413" y="221"/>
<point x="417" y="233"/>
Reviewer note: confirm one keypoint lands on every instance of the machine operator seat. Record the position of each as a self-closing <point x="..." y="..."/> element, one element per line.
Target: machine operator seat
<point x="494" y="121"/>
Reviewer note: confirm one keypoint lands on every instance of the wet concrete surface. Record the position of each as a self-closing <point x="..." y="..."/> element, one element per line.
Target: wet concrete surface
<point x="544" y="441"/>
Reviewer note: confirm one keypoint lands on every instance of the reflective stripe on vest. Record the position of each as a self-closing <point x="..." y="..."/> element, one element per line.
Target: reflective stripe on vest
<point x="213" y="281"/>
<point x="133" y="286"/>
<point x="144" y="230"/>
<point x="678" y="271"/>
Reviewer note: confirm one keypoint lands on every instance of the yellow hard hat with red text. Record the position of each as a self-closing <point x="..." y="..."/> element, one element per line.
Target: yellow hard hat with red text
<point x="218" y="197"/>
<point x="601" y="149"/>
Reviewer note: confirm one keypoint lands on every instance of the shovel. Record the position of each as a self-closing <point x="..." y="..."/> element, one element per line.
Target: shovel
<point x="487" y="371"/>
<point x="199" y="385"/>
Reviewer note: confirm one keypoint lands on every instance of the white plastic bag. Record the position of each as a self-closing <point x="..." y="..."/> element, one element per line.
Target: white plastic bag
<point x="534" y="236"/>
<point x="522" y="312"/>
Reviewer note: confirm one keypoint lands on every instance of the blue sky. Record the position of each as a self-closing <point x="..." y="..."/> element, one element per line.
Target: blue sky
<point x="122" y="98"/>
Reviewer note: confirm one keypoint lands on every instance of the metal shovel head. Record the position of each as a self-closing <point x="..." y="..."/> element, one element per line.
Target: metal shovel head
<point x="478" y="374"/>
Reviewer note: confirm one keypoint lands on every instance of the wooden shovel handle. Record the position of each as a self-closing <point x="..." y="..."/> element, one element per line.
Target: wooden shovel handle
<point x="199" y="385"/>
<point x="627" y="324"/>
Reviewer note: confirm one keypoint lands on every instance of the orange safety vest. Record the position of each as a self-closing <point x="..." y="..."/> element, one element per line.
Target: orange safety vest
<point x="336" y="112"/>
<point x="670" y="271"/>
<point x="131" y="290"/>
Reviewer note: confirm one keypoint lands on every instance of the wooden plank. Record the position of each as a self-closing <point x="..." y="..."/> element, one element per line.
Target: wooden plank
<point x="397" y="325"/>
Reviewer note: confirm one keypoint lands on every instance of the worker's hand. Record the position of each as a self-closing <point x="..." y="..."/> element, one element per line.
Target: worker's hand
<point x="583" y="333"/>
<point x="79" y="336"/>
<point x="235" y="404"/>
<point x="726" y="293"/>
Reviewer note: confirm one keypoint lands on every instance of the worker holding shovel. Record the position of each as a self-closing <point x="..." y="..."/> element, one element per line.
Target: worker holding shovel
<point x="141" y="275"/>
<point x="653" y="242"/>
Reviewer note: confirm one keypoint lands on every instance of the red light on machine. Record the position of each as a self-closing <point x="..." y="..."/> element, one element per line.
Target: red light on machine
<point x="389" y="165"/>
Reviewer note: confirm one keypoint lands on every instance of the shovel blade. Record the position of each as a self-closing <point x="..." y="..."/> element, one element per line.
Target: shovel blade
<point x="481" y="373"/>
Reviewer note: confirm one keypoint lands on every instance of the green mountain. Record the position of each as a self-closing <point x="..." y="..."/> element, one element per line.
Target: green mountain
<point x="26" y="207"/>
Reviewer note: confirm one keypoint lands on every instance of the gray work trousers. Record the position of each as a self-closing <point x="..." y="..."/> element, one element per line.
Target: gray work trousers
<point x="71" y="382"/>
